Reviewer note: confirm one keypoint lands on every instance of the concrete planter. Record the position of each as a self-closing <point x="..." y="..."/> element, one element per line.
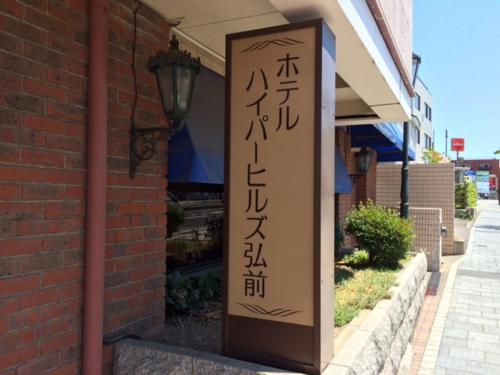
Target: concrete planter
<point x="377" y="346"/>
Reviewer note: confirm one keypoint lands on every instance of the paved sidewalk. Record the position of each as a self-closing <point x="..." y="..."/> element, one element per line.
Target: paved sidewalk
<point x="465" y="338"/>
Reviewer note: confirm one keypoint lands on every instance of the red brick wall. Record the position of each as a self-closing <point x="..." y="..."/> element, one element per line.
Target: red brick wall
<point x="43" y="57"/>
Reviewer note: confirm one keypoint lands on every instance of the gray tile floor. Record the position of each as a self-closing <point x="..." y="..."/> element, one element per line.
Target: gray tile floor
<point x="471" y="338"/>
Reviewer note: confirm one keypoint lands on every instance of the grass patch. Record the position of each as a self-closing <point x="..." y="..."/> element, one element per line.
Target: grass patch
<point x="359" y="289"/>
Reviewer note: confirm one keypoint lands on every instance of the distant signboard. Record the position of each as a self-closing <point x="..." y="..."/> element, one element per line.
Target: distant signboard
<point x="457" y="144"/>
<point x="471" y="175"/>
<point x="483" y="182"/>
<point x="493" y="182"/>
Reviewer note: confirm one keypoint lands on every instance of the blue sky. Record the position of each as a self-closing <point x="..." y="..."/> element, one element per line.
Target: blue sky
<point x="459" y="42"/>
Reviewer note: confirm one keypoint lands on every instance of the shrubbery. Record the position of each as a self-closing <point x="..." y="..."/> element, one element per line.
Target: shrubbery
<point x="381" y="232"/>
<point x="185" y="293"/>
<point x="175" y="218"/>
<point x="465" y="195"/>
<point x="359" y="258"/>
<point x="339" y="236"/>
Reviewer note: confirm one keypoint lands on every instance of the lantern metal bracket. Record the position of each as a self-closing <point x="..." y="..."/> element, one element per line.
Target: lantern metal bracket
<point x="355" y="177"/>
<point x="144" y="142"/>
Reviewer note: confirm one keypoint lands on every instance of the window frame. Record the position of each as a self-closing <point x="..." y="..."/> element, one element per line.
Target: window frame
<point x="417" y="101"/>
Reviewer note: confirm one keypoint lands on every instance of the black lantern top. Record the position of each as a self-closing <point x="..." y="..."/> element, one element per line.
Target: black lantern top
<point x="175" y="73"/>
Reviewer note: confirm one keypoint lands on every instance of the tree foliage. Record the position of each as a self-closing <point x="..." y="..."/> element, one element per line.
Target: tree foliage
<point x="434" y="157"/>
<point x="465" y="195"/>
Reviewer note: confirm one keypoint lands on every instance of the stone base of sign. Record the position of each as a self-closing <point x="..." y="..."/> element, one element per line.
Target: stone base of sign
<point x="135" y="357"/>
<point x="377" y="347"/>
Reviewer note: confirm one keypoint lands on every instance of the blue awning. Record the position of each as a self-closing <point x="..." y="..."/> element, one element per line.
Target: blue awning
<point x="343" y="183"/>
<point x="386" y="139"/>
<point x="190" y="162"/>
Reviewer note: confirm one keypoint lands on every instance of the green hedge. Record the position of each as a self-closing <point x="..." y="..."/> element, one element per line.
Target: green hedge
<point x="381" y="232"/>
<point x="465" y="195"/>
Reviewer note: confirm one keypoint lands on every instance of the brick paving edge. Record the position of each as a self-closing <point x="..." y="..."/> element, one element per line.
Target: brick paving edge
<point x="428" y="364"/>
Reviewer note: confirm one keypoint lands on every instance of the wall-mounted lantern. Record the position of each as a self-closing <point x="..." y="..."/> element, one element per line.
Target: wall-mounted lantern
<point x="363" y="161"/>
<point x="175" y="72"/>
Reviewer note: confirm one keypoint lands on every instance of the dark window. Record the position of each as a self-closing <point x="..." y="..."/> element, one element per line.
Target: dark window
<point x="428" y="141"/>
<point x="428" y="112"/>
<point x="415" y="134"/>
<point x="417" y="101"/>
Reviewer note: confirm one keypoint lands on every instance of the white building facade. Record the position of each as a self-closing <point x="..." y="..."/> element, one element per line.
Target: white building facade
<point x="422" y="135"/>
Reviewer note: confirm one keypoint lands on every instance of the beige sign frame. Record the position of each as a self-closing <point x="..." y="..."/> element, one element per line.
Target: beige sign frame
<point x="294" y="328"/>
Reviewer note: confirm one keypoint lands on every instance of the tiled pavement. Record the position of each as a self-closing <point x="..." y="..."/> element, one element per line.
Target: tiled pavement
<point x="465" y="337"/>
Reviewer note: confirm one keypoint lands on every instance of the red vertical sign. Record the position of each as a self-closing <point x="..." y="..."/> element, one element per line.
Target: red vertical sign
<point x="457" y="144"/>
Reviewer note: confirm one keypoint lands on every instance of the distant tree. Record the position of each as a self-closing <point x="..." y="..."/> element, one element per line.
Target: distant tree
<point x="434" y="157"/>
<point x="497" y="152"/>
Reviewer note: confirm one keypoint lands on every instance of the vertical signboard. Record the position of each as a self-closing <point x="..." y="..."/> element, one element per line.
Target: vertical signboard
<point x="483" y="182"/>
<point x="458" y="144"/>
<point x="280" y="92"/>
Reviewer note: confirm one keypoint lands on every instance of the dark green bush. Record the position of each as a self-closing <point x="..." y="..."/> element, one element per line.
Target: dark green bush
<point x="381" y="232"/>
<point x="175" y="217"/>
<point x="215" y="232"/>
<point x="465" y="195"/>
<point x="339" y="236"/>
<point x="187" y="293"/>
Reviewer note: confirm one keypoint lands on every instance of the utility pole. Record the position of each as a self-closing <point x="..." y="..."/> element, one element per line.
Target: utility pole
<point x="405" y="205"/>
<point x="446" y="144"/>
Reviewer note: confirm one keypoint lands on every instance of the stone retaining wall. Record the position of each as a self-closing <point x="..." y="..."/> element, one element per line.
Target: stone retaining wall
<point x="377" y="347"/>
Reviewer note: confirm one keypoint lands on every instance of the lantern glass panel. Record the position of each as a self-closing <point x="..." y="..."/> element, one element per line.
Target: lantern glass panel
<point x="363" y="164"/>
<point x="363" y="159"/>
<point x="184" y="77"/>
<point x="165" y="83"/>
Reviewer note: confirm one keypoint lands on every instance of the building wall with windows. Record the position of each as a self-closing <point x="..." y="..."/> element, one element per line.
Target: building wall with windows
<point x="423" y="136"/>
